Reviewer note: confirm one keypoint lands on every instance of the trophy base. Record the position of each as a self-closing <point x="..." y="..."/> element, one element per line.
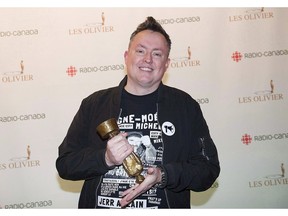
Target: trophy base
<point x="139" y="179"/>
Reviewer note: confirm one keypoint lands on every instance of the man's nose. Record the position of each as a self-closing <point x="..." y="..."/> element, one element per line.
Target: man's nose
<point x="148" y="58"/>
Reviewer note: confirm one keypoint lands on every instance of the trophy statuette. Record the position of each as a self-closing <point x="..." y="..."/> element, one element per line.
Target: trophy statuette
<point x="132" y="163"/>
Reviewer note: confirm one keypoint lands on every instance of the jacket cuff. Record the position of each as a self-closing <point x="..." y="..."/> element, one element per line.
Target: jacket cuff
<point x="163" y="182"/>
<point x="104" y="162"/>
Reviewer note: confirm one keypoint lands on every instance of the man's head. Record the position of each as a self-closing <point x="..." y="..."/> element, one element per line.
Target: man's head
<point x="147" y="57"/>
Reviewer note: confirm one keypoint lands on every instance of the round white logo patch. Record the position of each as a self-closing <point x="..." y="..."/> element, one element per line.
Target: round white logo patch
<point x="168" y="128"/>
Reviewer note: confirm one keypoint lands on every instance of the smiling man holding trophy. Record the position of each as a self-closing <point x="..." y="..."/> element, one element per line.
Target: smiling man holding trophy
<point x="168" y="127"/>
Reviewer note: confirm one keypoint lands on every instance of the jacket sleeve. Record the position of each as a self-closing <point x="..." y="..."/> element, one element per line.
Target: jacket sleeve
<point x="199" y="168"/>
<point x="81" y="154"/>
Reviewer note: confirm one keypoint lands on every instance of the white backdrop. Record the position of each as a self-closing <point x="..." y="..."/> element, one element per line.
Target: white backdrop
<point x="237" y="71"/>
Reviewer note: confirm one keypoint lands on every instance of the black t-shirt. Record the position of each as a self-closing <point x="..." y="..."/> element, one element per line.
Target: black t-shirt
<point x="139" y="119"/>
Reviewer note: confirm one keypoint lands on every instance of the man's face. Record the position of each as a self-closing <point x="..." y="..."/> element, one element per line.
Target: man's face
<point x="146" y="61"/>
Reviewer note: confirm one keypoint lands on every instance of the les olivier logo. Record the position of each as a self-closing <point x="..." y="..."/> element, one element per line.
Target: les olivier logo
<point x="252" y="14"/>
<point x="92" y="28"/>
<point x="25" y="161"/>
<point x="184" y="61"/>
<point x="16" y="75"/>
<point x="272" y="180"/>
<point x="262" y="95"/>
<point x="21" y="162"/>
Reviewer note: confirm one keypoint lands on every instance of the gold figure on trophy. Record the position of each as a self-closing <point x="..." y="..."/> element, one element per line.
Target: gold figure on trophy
<point x="132" y="164"/>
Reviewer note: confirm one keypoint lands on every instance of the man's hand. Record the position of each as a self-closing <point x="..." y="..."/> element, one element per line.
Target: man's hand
<point x="153" y="176"/>
<point x="117" y="150"/>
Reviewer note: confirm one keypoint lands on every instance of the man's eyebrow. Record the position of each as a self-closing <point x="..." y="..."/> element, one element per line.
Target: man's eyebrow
<point x="143" y="46"/>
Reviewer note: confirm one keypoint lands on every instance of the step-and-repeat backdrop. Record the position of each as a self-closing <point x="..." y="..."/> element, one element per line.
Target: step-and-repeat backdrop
<point x="233" y="61"/>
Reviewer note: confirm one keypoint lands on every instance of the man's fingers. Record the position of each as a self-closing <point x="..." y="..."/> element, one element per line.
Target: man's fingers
<point x="129" y="190"/>
<point x="129" y="195"/>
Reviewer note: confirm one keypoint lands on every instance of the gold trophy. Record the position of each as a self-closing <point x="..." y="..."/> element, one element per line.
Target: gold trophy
<point x="132" y="163"/>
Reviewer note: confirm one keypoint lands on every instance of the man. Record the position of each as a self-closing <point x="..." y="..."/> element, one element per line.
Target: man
<point x="186" y="157"/>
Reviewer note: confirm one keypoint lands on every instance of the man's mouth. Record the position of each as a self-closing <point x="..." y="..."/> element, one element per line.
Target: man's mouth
<point x="146" y="69"/>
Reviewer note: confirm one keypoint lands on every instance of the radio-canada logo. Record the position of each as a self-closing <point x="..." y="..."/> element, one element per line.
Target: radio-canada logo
<point x="238" y="56"/>
<point x="71" y="71"/>
<point x="179" y="20"/>
<point x="247" y="139"/>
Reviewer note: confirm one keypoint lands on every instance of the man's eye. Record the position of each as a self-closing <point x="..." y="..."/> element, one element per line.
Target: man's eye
<point x="157" y="54"/>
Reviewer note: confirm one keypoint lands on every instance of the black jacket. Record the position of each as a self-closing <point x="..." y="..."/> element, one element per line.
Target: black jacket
<point x="190" y="158"/>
